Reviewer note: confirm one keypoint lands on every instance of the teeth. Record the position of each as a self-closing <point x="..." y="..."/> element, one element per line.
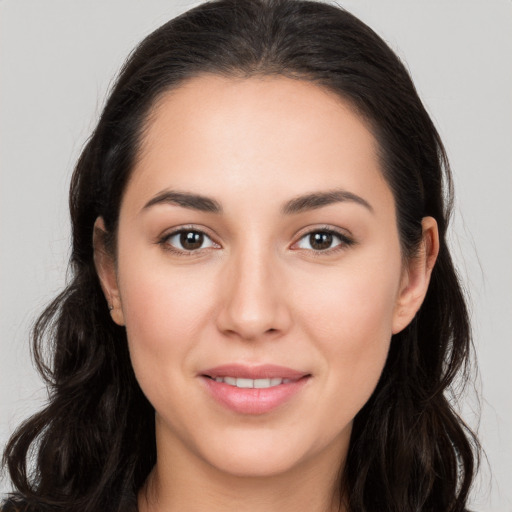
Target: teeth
<point x="252" y="383"/>
<point x="266" y="383"/>
<point x="244" y="383"/>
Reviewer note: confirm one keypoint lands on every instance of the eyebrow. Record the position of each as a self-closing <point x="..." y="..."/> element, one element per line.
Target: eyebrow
<point x="321" y="199"/>
<point x="293" y="206"/>
<point x="186" y="200"/>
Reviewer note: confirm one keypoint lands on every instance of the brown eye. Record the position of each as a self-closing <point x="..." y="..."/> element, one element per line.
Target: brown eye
<point x="323" y="241"/>
<point x="188" y="240"/>
<point x="320" y="241"/>
<point x="191" y="240"/>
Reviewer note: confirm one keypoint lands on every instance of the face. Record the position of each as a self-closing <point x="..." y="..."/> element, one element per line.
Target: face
<point x="258" y="273"/>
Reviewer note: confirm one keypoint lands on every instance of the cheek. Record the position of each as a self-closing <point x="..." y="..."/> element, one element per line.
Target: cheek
<point x="164" y="309"/>
<point x="350" y="316"/>
<point x="355" y="305"/>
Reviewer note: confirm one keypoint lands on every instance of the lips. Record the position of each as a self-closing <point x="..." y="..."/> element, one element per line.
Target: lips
<point x="241" y="382"/>
<point x="267" y="371"/>
<point x="253" y="389"/>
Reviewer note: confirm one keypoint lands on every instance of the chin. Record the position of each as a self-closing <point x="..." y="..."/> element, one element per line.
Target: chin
<point x="267" y="453"/>
<point x="256" y="465"/>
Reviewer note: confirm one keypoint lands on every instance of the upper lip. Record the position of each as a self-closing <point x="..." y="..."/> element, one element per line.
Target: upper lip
<point x="264" y="371"/>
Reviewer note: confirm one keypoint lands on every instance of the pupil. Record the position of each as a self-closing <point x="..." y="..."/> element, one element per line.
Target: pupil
<point x="320" y="241"/>
<point x="191" y="240"/>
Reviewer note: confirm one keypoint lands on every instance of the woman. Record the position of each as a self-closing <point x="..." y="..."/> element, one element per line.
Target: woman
<point x="263" y="313"/>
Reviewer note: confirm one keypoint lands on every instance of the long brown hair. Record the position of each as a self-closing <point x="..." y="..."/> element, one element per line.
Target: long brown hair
<point x="409" y="449"/>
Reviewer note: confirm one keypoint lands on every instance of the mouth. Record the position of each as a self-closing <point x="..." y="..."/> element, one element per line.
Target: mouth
<point x="243" y="383"/>
<point x="253" y="389"/>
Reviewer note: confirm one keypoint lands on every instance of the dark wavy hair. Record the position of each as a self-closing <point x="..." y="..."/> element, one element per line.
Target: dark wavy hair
<point x="409" y="450"/>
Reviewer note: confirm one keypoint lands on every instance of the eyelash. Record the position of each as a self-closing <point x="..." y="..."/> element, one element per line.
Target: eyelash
<point x="164" y="241"/>
<point x="344" y="241"/>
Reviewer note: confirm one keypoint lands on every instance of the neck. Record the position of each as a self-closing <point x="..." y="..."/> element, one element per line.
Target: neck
<point x="264" y="494"/>
<point x="182" y="483"/>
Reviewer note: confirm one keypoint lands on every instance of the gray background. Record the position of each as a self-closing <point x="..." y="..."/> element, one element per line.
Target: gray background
<point x="57" y="58"/>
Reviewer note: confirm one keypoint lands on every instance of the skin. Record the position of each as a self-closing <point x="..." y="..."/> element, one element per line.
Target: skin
<point x="257" y="291"/>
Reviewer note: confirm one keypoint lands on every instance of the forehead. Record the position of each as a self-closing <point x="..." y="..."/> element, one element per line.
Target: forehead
<point x="215" y="134"/>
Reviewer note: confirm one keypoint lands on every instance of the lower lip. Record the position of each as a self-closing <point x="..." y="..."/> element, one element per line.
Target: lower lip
<point x="253" y="400"/>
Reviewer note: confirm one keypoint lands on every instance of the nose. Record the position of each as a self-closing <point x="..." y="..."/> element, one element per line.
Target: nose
<point x="254" y="304"/>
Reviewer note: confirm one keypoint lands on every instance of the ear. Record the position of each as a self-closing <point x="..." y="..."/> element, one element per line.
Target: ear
<point x="416" y="276"/>
<point x="104" y="261"/>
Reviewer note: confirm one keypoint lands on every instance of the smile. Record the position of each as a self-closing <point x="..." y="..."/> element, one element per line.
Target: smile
<point x="253" y="390"/>
<point x="240" y="382"/>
